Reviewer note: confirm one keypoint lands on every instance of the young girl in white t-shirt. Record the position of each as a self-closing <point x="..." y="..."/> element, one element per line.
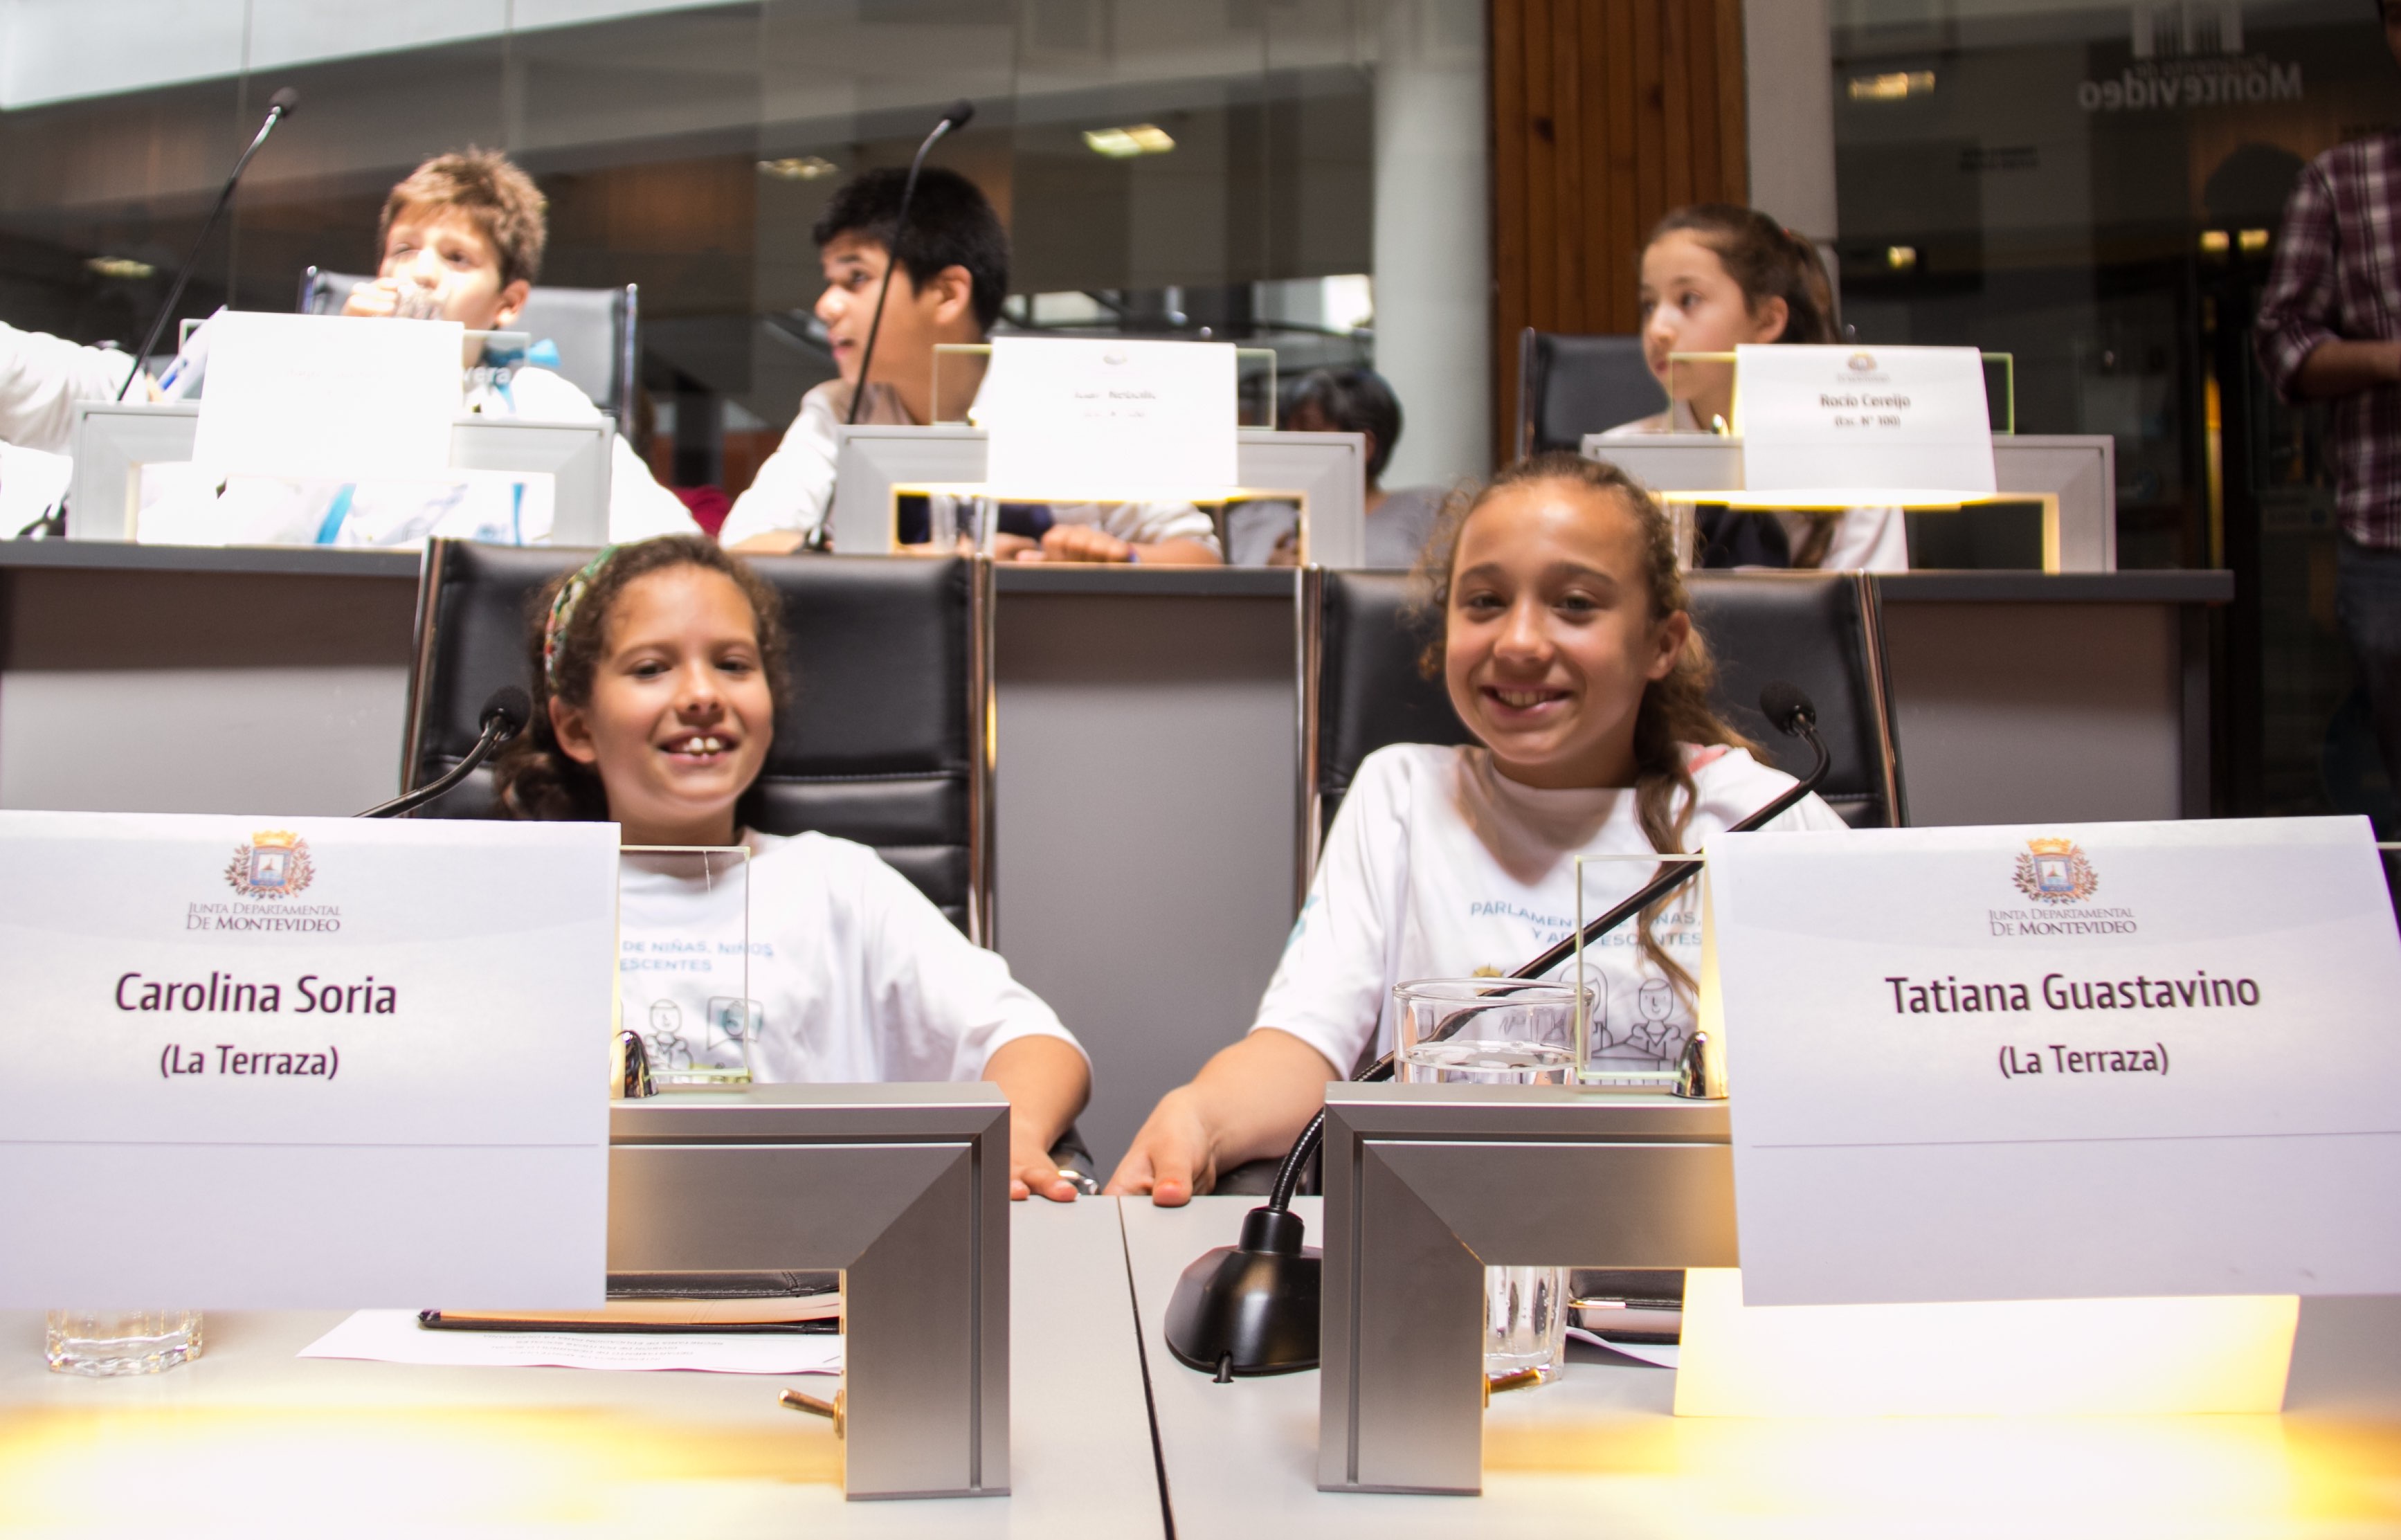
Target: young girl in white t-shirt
<point x="1569" y="655"/>
<point x="658" y="669"/>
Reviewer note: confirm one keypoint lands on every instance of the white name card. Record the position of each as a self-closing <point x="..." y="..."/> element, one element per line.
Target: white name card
<point x="1103" y="420"/>
<point x="350" y="398"/>
<point x="304" y="1062"/>
<point x="2073" y="1062"/>
<point x="1846" y="426"/>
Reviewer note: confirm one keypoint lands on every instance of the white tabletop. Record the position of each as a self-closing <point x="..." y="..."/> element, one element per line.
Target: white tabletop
<point x="1599" y="1453"/>
<point x="251" y="1439"/>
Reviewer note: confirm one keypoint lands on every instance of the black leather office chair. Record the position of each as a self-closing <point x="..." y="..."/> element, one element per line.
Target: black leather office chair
<point x="594" y="329"/>
<point x="1569" y="386"/>
<point x="883" y="745"/>
<point x="1360" y="688"/>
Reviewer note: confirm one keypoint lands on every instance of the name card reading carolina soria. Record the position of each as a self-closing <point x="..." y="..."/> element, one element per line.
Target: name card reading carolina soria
<point x="304" y="1062"/>
<point x="2067" y="1062"/>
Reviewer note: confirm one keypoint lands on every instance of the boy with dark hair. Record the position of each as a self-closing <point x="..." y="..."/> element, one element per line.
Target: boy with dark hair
<point x="952" y="275"/>
<point x="462" y="239"/>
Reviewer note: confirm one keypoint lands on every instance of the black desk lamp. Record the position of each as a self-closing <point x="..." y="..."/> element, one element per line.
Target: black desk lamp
<point x="1251" y="1308"/>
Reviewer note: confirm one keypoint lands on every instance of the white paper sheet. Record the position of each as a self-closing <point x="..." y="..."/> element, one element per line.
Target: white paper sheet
<point x="1665" y="1355"/>
<point x="393" y="1336"/>
<point x="2071" y="1061"/>
<point x="346" y="397"/>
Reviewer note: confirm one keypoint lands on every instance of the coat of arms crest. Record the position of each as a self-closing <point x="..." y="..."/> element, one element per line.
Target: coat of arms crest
<point x="273" y="865"/>
<point x="2054" y="871"/>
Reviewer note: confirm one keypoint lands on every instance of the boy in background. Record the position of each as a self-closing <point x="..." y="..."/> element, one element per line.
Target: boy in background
<point x="462" y="239"/>
<point x="952" y="276"/>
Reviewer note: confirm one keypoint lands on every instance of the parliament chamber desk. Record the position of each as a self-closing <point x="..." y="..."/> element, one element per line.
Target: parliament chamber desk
<point x="253" y="1441"/>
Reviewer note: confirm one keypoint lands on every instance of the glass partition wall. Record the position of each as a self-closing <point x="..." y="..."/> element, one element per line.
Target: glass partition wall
<point x="1240" y="170"/>
<point x="2096" y="189"/>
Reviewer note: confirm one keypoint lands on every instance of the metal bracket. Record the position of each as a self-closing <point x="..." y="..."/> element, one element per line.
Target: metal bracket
<point x="1424" y="1186"/>
<point x="905" y="1189"/>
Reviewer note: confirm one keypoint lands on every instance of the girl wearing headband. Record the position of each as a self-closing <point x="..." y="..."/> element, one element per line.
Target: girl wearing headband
<point x="659" y="673"/>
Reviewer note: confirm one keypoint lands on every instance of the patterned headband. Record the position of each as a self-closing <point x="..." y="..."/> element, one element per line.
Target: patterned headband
<point x="562" y="612"/>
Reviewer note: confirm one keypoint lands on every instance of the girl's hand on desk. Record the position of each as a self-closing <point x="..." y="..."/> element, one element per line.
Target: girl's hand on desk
<point x="1032" y="1171"/>
<point x="1171" y="1158"/>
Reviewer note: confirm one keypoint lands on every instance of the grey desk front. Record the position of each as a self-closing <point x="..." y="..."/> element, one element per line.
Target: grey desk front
<point x="2019" y="697"/>
<point x="251" y="1440"/>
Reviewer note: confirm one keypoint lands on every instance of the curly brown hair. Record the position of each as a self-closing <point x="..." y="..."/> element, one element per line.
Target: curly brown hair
<point x="537" y="778"/>
<point x="495" y="194"/>
<point x="1674" y="709"/>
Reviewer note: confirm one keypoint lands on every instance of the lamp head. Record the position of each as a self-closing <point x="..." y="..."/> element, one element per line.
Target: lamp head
<point x="1788" y="709"/>
<point x="1252" y="1308"/>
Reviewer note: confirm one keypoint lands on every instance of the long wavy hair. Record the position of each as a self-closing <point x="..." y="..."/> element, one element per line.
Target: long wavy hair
<point x="537" y="778"/>
<point x="1674" y="711"/>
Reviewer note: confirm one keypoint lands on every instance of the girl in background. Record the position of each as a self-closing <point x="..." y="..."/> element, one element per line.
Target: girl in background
<point x="659" y="669"/>
<point x="1716" y="277"/>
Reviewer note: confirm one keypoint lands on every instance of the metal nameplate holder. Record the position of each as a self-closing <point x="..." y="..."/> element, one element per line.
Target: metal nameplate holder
<point x="1592" y="1179"/>
<point x="902" y="1187"/>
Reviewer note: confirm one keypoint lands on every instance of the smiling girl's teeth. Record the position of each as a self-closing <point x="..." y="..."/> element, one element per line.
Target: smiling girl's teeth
<point x="1522" y="697"/>
<point x="701" y="744"/>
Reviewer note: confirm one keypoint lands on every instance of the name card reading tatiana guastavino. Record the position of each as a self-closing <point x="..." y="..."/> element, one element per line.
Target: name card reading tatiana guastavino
<point x="292" y="1063"/>
<point x="2071" y="1062"/>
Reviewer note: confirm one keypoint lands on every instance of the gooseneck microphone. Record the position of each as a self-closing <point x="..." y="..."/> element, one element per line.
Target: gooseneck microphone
<point x="1252" y="1308"/>
<point x="506" y="711"/>
<point x="279" y="107"/>
<point x="957" y="116"/>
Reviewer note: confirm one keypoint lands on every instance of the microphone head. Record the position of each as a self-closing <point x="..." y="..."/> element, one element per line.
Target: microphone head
<point x="512" y="706"/>
<point x="1786" y="706"/>
<point x="959" y="114"/>
<point x="285" y="100"/>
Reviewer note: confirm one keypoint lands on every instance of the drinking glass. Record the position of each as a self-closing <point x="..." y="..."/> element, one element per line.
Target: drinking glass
<point x="120" y="1342"/>
<point x="1499" y="1032"/>
<point x="1486" y="1031"/>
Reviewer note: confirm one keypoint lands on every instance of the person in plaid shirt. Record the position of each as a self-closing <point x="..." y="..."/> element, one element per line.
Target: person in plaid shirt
<point x="2329" y="329"/>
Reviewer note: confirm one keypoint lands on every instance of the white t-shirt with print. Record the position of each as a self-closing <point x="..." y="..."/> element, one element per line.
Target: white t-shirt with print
<point x="1439" y="867"/>
<point x="854" y="975"/>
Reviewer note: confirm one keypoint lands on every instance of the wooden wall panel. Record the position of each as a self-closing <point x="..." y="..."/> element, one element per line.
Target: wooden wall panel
<point x="1606" y="114"/>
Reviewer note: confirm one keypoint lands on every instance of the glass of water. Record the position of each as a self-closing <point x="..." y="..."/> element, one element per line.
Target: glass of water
<point x="102" y="1343"/>
<point x="1486" y="1031"/>
<point x="1500" y="1032"/>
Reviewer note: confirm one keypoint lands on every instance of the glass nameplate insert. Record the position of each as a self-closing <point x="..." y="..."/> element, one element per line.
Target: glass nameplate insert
<point x="684" y="963"/>
<point x="1642" y="979"/>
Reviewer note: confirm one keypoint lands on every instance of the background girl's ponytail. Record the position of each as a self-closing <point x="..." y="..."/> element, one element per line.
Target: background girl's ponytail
<point x="1767" y="261"/>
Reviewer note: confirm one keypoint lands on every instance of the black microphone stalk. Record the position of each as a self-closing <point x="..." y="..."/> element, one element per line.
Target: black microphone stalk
<point x="279" y="107"/>
<point x="957" y="116"/>
<point x="506" y="711"/>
